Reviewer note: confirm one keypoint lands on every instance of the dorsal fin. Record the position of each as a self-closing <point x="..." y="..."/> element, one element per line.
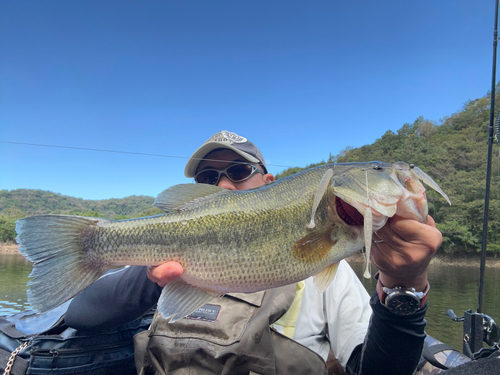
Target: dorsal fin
<point x="179" y="197"/>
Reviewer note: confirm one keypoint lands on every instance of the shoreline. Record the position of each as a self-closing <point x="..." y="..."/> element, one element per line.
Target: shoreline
<point x="8" y="248"/>
<point x="461" y="260"/>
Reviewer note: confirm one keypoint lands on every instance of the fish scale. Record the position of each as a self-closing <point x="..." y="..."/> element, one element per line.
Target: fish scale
<point x="226" y="241"/>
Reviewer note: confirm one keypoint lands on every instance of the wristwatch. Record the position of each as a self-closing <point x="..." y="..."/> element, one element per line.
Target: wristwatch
<point x="399" y="300"/>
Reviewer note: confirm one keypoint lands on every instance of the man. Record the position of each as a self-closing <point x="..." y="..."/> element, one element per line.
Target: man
<point x="338" y="320"/>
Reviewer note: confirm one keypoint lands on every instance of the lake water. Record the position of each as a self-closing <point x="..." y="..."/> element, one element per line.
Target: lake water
<point x="451" y="287"/>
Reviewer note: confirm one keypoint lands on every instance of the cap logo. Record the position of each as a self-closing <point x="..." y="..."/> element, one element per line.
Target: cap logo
<point x="227" y="137"/>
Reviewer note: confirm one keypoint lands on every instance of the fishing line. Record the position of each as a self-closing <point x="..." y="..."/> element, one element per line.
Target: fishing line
<point x="129" y="153"/>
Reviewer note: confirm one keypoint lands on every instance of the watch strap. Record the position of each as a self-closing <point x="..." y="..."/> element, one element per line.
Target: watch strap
<point x="382" y="295"/>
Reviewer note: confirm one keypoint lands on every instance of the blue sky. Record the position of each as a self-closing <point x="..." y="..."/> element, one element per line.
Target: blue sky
<point x="301" y="79"/>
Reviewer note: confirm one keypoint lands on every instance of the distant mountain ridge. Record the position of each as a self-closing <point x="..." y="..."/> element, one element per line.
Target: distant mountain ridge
<point x="38" y="202"/>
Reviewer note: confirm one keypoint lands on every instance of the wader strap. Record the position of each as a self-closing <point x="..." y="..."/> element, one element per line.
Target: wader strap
<point x="428" y="353"/>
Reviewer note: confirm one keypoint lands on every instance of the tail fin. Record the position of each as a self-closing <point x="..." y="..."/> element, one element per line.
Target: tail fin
<point x="61" y="267"/>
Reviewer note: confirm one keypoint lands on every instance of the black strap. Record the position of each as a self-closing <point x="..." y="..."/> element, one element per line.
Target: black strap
<point x="428" y="353"/>
<point x="9" y="328"/>
<point x="19" y="367"/>
<point x="434" y="349"/>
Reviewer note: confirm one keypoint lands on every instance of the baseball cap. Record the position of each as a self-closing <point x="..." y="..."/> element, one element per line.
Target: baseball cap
<point x="229" y="140"/>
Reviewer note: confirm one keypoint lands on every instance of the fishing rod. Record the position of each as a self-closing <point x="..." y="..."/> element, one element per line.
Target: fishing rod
<point x="491" y="130"/>
<point x="479" y="327"/>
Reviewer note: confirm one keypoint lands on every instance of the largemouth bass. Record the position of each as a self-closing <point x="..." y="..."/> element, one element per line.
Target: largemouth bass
<point x="227" y="241"/>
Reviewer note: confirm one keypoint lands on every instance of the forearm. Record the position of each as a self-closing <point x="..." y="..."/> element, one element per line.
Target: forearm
<point x="113" y="300"/>
<point x="393" y="344"/>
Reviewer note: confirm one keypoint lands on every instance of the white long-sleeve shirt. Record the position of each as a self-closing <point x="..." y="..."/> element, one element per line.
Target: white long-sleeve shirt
<point x="336" y="319"/>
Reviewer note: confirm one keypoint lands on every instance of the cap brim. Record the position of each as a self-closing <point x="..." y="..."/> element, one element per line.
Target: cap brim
<point x="199" y="155"/>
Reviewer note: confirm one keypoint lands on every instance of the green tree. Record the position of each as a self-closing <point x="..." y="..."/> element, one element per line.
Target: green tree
<point x="8" y="219"/>
<point x="89" y="213"/>
<point x="7" y="229"/>
<point x="453" y="152"/>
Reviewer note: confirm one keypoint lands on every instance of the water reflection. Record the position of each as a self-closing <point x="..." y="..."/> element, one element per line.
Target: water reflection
<point x="14" y="271"/>
<point x="452" y="287"/>
<point x="456" y="288"/>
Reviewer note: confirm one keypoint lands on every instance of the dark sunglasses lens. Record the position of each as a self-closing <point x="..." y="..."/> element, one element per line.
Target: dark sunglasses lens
<point x="207" y="177"/>
<point x="239" y="172"/>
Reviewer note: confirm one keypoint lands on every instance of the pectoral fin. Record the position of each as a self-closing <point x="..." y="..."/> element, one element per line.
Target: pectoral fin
<point x="314" y="247"/>
<point x="325" y="277"/>
<point x="179" y="299"/>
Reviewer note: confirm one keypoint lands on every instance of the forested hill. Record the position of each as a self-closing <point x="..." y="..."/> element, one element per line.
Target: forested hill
<point x="36" y="202"/>
<point x="18" y="203"/>
<point x="453" y="152"/>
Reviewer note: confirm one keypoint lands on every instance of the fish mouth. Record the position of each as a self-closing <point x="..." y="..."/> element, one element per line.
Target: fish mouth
<point x="348" y="214"/>
<point x="354" y="214"/>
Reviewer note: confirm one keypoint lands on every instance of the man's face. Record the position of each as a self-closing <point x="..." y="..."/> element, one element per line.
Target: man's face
<point x="223" y="159"/>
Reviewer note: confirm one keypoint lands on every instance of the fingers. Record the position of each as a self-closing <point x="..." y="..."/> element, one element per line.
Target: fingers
<point x="400" y="232"/>
<point x="430" y="221"/>
<point x="164" y="273"/>
<point x="402" y="250"/>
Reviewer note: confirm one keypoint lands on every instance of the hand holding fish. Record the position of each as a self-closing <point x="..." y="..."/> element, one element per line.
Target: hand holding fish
<point x="164" y="273"/>
<point x="402" y="250"/>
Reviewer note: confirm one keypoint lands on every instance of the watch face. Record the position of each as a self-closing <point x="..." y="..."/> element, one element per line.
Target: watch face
<point x="402" y="303"/>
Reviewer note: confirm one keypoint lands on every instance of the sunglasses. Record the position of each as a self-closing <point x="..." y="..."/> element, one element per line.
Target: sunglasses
<point x="235" y="173"/>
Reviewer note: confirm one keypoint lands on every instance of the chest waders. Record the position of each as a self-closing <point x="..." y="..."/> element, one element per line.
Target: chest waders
<point x="230" y="335"/>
